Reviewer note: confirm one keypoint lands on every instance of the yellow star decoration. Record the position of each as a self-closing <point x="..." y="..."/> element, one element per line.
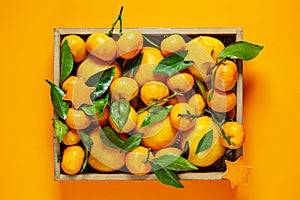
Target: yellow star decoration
<point x="237" y="172"/>
<point x="79" y="94"/>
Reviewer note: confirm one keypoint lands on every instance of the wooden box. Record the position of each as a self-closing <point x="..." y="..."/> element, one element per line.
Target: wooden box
<point x="226" y="35"/>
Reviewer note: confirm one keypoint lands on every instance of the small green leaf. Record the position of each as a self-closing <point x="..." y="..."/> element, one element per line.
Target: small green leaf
<point x="66" y="61"/>
<point x="201" y="88"/>
<point x="173" y="63"/>
<point x="132" y="142"/>
<point x="88" y="143"/>
<point x="156" y="113"/>
<point x="60" y="129"/>
<point x="174" y="162"/>
<point x="61" y="107"/>
<point x="131" y="65"/>
<point x="101" y="81"/>
<point x="119" y="112"/>
<point x="186" y="150"/>
<point x="165" y="176"/>
<point x="111" y="138"/>
<point x="211" y="94"/>
<point x="241" y="50"/>
<point x="205" y="142"/>
<point x="97" y="107"/>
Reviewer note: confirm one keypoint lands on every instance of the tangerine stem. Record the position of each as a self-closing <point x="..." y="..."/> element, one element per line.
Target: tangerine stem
<point x="119" y="18"/>
<point x="151" y="42"/>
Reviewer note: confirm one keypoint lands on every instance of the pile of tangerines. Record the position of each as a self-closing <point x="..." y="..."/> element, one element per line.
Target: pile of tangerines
<point x="188" y="122"/>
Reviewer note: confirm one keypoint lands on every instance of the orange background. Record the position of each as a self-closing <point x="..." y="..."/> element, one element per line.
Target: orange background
<point x="271" y="95"/>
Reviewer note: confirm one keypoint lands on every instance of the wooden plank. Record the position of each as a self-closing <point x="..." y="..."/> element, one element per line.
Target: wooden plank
<point x="127" y="176"/>
<point x="59" y="32"/>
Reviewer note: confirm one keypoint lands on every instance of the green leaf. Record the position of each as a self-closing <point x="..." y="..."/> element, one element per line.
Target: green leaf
<point x="211" y="94"/>
<point x="101" y="81"/>
<point x="165" y="176"/>
<point x="241" y="50"/>
<point x="201" y="88"/>
<point x="111" y="138"/>
<point x="205" y="142"/>
<point x="131" y="65"/>
<point x="156" y="113"/>
<point x="186" y="150"/>
<point x="66" y="61"/>
<point x="97" y="107"/>
<point x="173" y="63"/>
<point x="132" y="142"/>
<point x="119" y="112"/>
<point x="174" y="162"/>
<point x="61" y="107"/>
<point x="60" y="129"/>
<point x="88" y="143"/>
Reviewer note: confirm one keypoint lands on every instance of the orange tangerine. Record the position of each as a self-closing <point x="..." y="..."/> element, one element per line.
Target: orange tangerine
<point x="236" y="134"/>
<point x="102" y="157"/>
<point x="157" y="135"/>
<point x="124" y="87"/>
<point x="198" y="103"/>
<point x="154" y="91"/>
<point x="180" y="82"/>
<point x="72" y="159"/>
<point x="182" y="122"/>
<point x="130" y="44"/>
<point x="226" y="76"/>
<point x="151" y="58"/>
<point x="222" y="101"/>
<point x="171" y="44"/>
<point x="77" y="47"/>
<point x="101" y="46"/>
<point x="72" y="137"/>
<point x="77" y="119"/>
<point x="136" y="161"/>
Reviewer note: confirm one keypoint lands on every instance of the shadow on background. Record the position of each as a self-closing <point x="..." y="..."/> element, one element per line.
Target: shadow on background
<point x="212" y="190"/>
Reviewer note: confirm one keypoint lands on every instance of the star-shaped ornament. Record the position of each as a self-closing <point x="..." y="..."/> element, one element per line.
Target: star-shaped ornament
<point x="79" y="94"/>
<point x="237" y="172"/>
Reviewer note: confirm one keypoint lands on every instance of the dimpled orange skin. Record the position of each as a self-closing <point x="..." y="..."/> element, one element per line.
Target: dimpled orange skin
<point x="180" y="82"/>
<point x="171" y="44"/>
<point x="72" y="159"/>
<point x="101" y="46"/>
<point x="123" y="87"/>
<point x="151" y="57"/>
<point x="72" y="137"/>
<point x="135" y="161"/>
<point x="222" y="101"/>
<point x="226" y="76"/>
<point x="236" y="134"/>
<point x="152" y="91"/>
<point x="77" y="47"/>
<point x="182" y="122"/>
<point x="130" y="44"/>
<point x="77" y="119"/>
<point x="157" y="135"/>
